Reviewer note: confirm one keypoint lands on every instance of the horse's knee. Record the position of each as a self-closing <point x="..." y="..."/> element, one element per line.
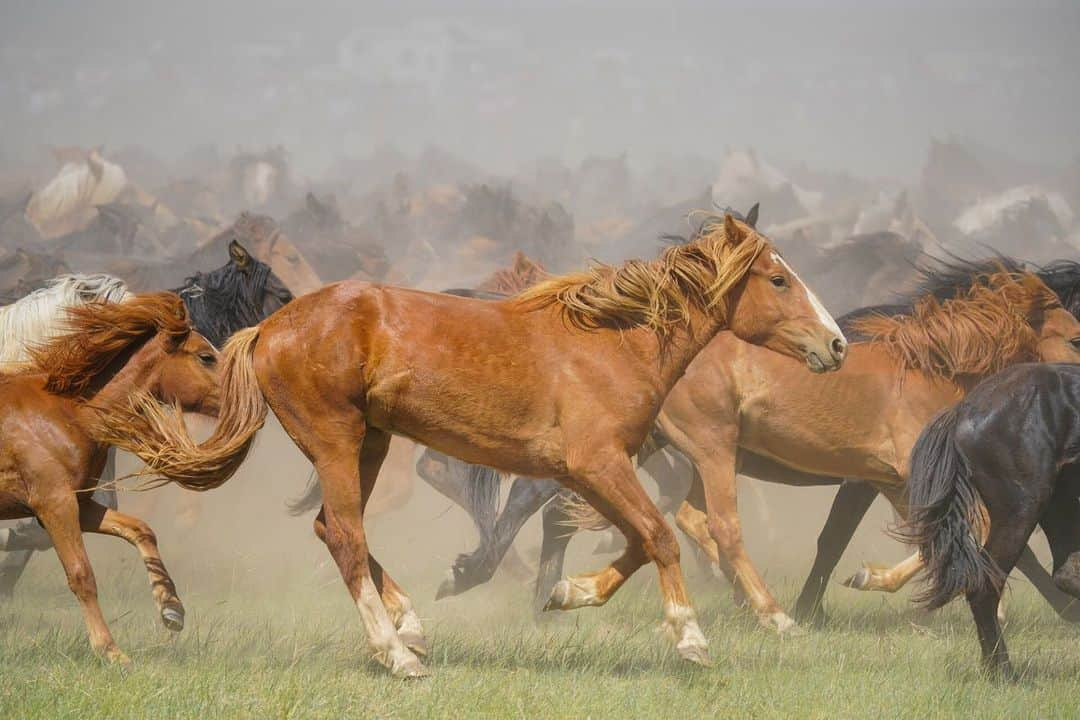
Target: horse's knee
<point x="725" y="532"/>
<point x="80" y="579"/>
<point x="661" y="545"/>
<point x="1067" y="577"/>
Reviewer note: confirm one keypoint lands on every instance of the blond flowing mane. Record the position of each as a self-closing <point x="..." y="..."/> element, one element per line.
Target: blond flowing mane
<point x="657" y="294"/>
<point x="980" y="332"/>
<point x="96" y="333"/>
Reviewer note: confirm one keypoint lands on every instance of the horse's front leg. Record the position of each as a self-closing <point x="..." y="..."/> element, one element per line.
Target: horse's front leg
<point x="96" y="518"/>
<point x="606" y="479"/>
<point x="721" y="507"/>
<point x="59" y="514"/>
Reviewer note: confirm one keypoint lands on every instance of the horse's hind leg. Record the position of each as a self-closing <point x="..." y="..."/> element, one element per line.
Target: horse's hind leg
<point x="61" y="518"/>
<point x="1066" y="606"/>
<point x="526" y="497"/>
<point x="849" y="507"/>
<point x="96" y="518"/>
<point x="1061" y="523"/>
<point x="557" y="531"/>
<point x="347" y="468"/>
<point x="609" y="484"/>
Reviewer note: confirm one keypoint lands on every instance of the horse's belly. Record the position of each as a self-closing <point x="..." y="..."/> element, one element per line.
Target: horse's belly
<point x="470" y="434"/>
<point x="823" y="453"/>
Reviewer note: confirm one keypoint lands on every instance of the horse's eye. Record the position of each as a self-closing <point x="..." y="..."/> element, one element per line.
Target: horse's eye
<point x="1075" y="342"/>
<point x="208" y="359"/>
<point x="778" y="281"/>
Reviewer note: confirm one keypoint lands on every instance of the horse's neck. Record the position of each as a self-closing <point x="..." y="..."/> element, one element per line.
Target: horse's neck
<point x="682" y="346"/>
<point x="127" y="377"/>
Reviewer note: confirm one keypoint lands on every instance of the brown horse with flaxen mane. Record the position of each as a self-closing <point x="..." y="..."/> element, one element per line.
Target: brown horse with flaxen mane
<point x="61" y="412"/>
<point x="562" y="381"/>
<point x="857" y="423"/>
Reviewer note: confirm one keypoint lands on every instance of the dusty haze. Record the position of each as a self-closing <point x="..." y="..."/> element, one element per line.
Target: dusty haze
<point x="857" y="88"/>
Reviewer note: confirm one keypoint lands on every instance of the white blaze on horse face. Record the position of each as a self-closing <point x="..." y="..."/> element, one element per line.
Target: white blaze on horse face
<point x="823" y="315"/>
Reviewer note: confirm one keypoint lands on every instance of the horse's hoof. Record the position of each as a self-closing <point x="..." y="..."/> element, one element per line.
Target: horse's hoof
<point x="560" y="596"/>
<point x="697" y="654"/>
<point x="415" y="642"/>
<point x="781" y="623"/>
<point x="172" y="616"/>
<point x="448" y="587"/>
<point x="117" y="657"/>
<point x="409" y="668"/>
<point x="859" y="580"/>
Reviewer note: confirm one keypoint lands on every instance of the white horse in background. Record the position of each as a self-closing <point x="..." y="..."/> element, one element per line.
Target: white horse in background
<point x="67" y="202"/>
<point x="40" y="315"/>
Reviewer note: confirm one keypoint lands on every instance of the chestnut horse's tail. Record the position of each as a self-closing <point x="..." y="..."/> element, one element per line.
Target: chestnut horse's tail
<point x="160" y="439"/>
<point x="947" y="519"/>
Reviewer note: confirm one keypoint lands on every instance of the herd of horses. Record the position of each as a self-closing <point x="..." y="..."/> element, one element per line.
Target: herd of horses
<point x="957" y="403"/>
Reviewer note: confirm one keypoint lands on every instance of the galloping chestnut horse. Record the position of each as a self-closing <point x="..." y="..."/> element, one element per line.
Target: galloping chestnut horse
<point x="562" y="381"/>
<point x="859" y="423"/>
<point x="54" y="432"/>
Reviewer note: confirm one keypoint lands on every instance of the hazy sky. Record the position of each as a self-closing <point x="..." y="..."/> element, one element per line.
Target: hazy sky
<point x="852" y="86"/>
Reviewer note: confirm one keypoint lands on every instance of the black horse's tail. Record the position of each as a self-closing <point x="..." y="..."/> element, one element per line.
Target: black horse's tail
<point x="310" y="500"/>
<point x="481" y="489"/>
<point x="947" y="518"/>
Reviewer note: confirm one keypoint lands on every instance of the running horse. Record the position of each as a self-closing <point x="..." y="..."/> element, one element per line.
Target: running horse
<point x="984" y="473"/>
<point x="562" y="381"/>
<point x="753" y="411"/>
<point x="55" y="432"/>
<point x="236" y="295"/>
<point x="736" y="400"/>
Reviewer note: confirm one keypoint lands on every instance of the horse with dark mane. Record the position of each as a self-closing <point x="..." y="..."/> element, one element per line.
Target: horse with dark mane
<point x="984" y="473"/>
<point x="562" y="381"/>
<point x="239" y="294"/>
<point x="63" y="411"/>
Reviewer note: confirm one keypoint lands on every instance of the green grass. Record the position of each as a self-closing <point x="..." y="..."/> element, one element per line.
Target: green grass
<point x="289" y="645"/>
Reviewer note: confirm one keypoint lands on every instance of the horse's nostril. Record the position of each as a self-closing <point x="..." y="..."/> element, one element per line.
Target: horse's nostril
<point x="838" y="347"/>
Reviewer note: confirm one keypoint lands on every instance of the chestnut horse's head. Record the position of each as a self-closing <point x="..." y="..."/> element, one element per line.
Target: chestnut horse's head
<point x="187" y="374"/>
<point x="772" y="307"/>
<point x="144" y="345"/>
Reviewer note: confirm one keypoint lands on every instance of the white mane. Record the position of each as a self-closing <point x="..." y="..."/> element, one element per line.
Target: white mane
<point x="39" y="316"/>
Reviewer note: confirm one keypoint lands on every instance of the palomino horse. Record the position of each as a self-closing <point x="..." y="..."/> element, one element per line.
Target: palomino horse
<point x="859" y="423"/>
<point x="984" y="473"/>
<point x="562" y="381"/>
<point x="54" y="445"/>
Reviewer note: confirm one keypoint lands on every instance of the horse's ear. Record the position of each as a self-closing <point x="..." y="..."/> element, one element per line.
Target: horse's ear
<point x="239" y="254"/>
<point x="732" y="231"/>
<point x="751" y="216"/>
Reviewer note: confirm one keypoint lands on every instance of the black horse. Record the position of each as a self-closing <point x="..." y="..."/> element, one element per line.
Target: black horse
<point x="237" y="295"/>
<point x="941" y="278"/>
<point x="1011" y="447"/>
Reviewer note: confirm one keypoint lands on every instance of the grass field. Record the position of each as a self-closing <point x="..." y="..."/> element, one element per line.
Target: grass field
<point x="290" y="645"/>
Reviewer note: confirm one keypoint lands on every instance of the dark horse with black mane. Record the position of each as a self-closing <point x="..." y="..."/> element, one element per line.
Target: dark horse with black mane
<point x="984" y="473"/>
<point x="236" y="295"/>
